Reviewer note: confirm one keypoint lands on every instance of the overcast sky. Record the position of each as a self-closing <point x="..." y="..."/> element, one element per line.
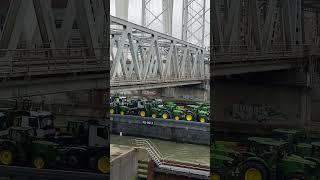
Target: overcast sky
<point x="134" y="15"/>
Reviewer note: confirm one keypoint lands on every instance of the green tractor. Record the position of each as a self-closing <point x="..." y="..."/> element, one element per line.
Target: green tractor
<point x="224" y="162"/>
<point x="166" y="111"/>
<point x="198" y="113"/>
<point x="119" y="105"/>
<point x="270" y="160"/>
<point x="300" y="145"/>
<point x="179" y="113"/>
<point x="21" y="148"/>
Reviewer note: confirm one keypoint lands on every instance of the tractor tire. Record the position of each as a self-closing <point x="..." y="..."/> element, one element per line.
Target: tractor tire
<point x="165" y="115"/>
<point x="203" y="119"/>
<point x="7" y="154"/>
<point x="252" y="170"/>
<point x="154" y="115"/>
<point x="189" y="117"/>
<point x="142" y="113"/>
<point x="176" y="118"/>
<point x="75" y="158"/>
<point x="297" y="176"/>
<point x="100" y="163"/>
<point x="39" y="162"/>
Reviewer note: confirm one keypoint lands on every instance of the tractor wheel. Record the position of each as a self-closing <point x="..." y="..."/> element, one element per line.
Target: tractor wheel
<point x="165" y="115"/>
<point x="189" y="117"/>
<point x="297" y="176"/>
<point x="103" y="164"/>
<point x="121" y="113"/>
<point x="203" y="119"/>
<point x="75" y="158"/>
<point x="142" y="113"/>
<point x="112" y="111"/>
<point x="39" y="162"/>
<point x="253" y="171"/>
<point x="100" y="163"/>
<point x="176" y="118"/>
<point x="7" y="154"/>
<point x="154" y="115"/>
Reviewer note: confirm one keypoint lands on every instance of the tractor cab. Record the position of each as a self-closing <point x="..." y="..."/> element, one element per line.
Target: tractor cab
<point x="91" y="132"/>
<point x="297" y="141"/>
<point x="9" y="117"/>
<point x="121" y="100"/>
<point x="41" y="121"/>
<point x="267" y="148"/>
<point x="291" y="135"/>
<point x="98" y="136"/>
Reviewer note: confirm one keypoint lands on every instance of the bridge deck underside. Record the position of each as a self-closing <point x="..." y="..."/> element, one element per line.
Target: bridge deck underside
<point x="238" y="63"/>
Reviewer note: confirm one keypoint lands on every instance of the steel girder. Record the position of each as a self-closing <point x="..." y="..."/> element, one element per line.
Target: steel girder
<point x="139" y="55"/>
<point x="195" y="22"/>
<point x="42" y="30"/>
<point x="257" y="24"/>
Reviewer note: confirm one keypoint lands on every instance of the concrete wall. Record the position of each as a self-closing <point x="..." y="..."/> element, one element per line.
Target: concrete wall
<point x="187" y="92"/>
<point x="125" y="166"/>
<point x="244" y="107"/>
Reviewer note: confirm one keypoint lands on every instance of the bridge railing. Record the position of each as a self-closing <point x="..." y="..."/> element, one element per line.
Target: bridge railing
<point x="45" y="61"/>
<point x="240" y="53"/>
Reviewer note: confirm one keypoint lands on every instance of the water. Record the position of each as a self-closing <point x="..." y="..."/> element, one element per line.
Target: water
<point x="190" y="153"/>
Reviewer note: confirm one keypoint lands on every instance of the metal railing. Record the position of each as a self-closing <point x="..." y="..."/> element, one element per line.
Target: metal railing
<point x="31" y="62"/>
<point x="148" y="145"/>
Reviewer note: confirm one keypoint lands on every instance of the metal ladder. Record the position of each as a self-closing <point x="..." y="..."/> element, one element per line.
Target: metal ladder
<point x="148" y="145"/>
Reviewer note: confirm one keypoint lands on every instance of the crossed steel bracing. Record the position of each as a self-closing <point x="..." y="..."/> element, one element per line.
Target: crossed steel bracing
<point x="263" y="35"/>
<point x="142" y="56"/>
<point x="60" y="39"/>
<point x="256" y="24"/>
<point x="195" y="20"/>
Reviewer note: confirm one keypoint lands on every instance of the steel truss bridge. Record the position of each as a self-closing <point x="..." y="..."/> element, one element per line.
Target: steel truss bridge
<point x="142" y="58"/>
<point x="264" y="35"/>
<point x="60" y="48"/>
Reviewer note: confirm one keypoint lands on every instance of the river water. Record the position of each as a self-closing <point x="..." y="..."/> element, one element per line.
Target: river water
<point x="190" y="153"/>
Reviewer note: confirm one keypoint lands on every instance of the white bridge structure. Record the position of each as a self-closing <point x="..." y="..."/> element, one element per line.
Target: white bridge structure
<point x="143" y="58"/>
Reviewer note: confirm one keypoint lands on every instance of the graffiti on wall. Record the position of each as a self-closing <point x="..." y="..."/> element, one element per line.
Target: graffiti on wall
<point x="257" y="113"/>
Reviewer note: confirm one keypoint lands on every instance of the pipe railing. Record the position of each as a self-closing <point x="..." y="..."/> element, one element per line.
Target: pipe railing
<point x="29" y="62"/>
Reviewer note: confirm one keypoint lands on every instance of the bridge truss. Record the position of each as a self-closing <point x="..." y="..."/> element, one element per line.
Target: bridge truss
<point x="56" y="45"/>
<point x="144" y="58"/>
<point x="263" y="35"/>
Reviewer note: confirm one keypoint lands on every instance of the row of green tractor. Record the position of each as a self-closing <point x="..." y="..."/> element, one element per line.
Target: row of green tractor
<point x="289" y="155"/>
<point x="29" y="138"/>
<point x="198" y="112"/>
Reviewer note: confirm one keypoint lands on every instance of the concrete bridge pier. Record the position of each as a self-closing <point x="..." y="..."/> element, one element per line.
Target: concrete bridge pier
<point x="193" y="92"/>
<point x="248" y="105"/>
